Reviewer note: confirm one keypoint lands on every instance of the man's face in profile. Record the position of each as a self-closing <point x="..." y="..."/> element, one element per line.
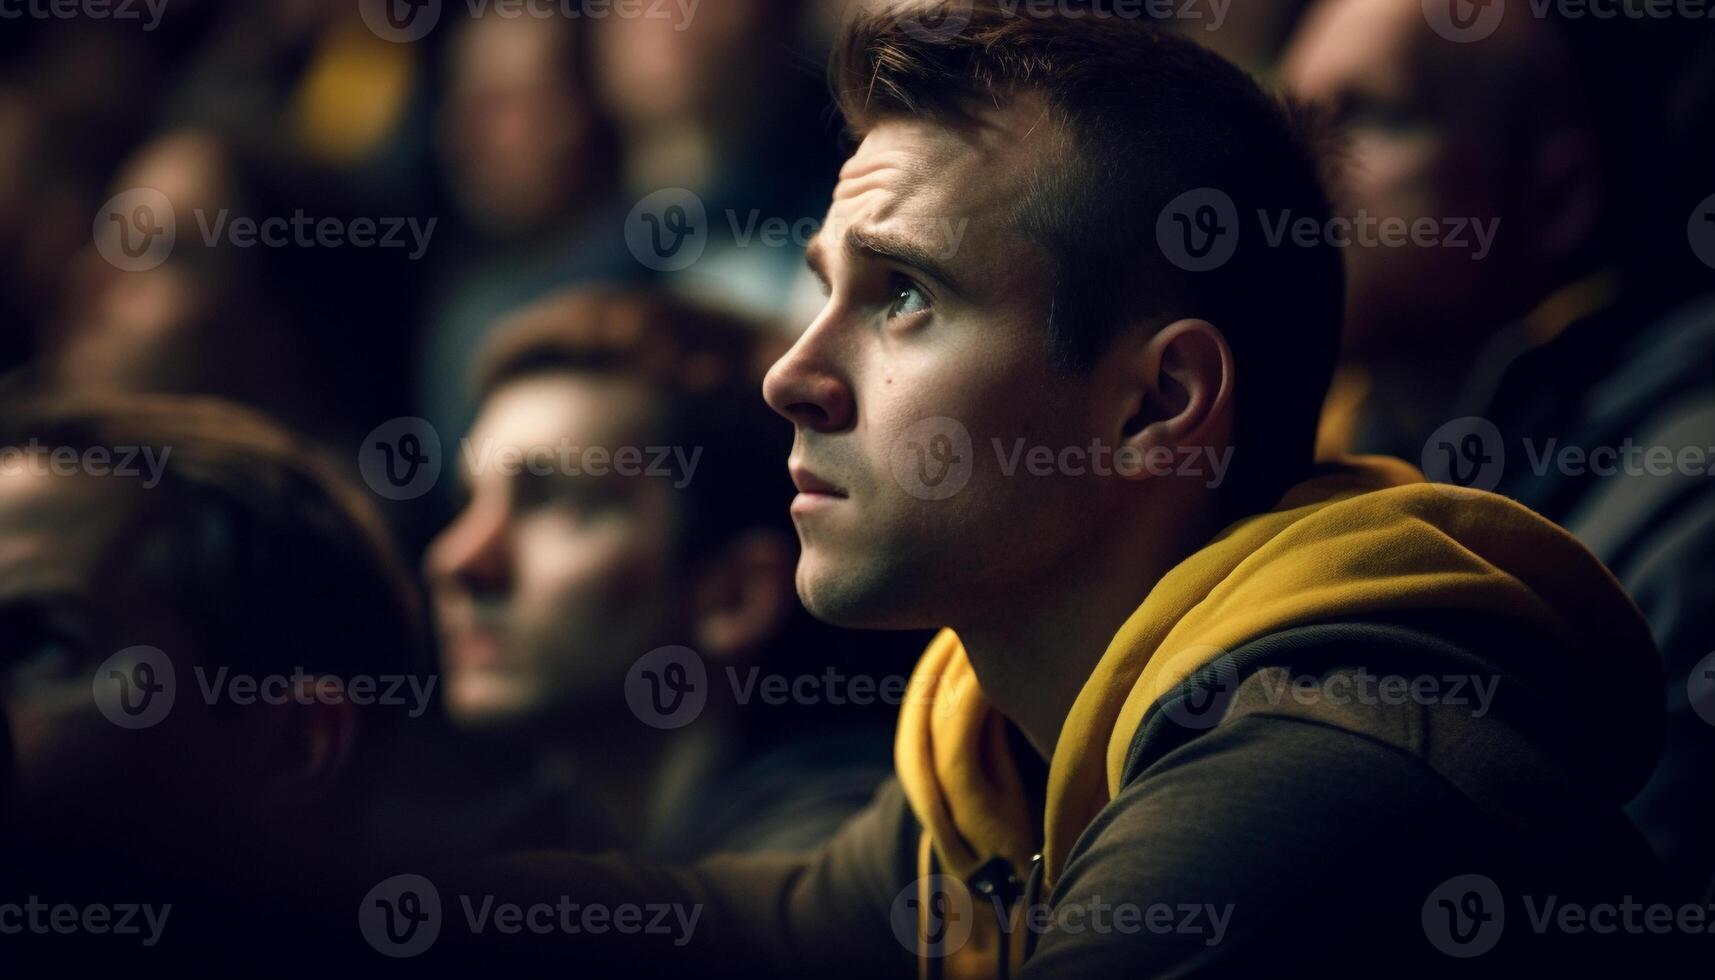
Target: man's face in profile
<point x="552" y="580"/>
<point x="931" y="354"/>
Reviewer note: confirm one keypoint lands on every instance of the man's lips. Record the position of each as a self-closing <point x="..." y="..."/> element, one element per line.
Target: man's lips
<point x="814" y="493"/>
<point x="468" y="643"/>
<point x="809" y="483"/>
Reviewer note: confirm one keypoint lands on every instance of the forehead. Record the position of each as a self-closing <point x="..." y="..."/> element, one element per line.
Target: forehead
<point x="55" y="530"/>
<point x="568" y="407"/>
<point x="504" y="49"/>
<point x="1357" y="44"/>
<point x="923" y="178"/>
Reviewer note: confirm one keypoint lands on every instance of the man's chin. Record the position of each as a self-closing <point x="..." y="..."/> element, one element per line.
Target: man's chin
<point x="856" y="595"/>
<point x="491" y="704"/>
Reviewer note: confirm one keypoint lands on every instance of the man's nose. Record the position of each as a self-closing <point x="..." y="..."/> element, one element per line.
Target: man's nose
<point x="808" y="389"/>
<point x="472" y="553"/>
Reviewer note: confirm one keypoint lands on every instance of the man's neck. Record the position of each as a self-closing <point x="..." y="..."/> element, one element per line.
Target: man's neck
<point x="1033" y="659"/>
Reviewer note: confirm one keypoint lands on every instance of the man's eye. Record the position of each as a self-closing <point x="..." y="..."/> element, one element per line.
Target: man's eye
<point x="908" y="298"/>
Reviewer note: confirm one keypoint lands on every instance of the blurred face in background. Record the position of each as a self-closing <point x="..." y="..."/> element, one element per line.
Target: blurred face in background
<point x="550" y="584"/>
<point x="160" y="329"/>
<point x="1445" y="131"/>
<point x="917" y="330"/>
<point x="62" y="615"/>
<point x="659" y="69"/>
<point x="518" y="131"/>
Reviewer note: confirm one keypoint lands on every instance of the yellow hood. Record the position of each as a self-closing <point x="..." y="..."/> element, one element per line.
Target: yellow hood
<point x="1366" y="537"/>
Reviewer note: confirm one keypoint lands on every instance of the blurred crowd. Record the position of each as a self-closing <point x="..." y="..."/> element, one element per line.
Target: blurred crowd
<point x="518" y="174"/>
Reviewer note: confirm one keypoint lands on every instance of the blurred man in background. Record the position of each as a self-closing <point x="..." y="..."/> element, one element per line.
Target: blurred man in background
<point x="307" y="335"/>
<point x="643" y="508"/>
<point x="193" y="609"/>
<point x="1561" y="339"/>
<point x="1496" y="131"/>
<point x="529" y="164"/>
<point x="729" y="106"/>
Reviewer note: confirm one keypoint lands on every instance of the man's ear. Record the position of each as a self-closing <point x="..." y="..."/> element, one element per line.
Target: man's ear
<point x="305" y="743"/>
<point x="1178" y="384"/>
<point x="744" y="595"/>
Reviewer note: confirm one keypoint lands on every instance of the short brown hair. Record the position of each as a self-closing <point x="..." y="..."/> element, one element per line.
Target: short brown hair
<point x="1150" y="116"/>
<point x="706" y="365"/>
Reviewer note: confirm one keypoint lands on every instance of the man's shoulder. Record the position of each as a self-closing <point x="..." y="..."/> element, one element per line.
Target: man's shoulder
<point x="1269" y="832"/>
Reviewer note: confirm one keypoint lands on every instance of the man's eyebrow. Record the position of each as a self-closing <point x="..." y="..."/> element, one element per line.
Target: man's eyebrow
<point x="893" y="248"/>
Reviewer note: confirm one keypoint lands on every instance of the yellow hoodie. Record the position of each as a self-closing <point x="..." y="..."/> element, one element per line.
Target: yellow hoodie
<point x="1368" y="537"/>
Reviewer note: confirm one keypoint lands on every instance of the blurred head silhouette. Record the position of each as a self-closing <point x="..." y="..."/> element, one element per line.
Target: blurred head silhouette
<point x="519" y="134"/>
<point x="1493" y="130"/>
<point x="625" y="491"/>
<point x="151" y="550"/>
